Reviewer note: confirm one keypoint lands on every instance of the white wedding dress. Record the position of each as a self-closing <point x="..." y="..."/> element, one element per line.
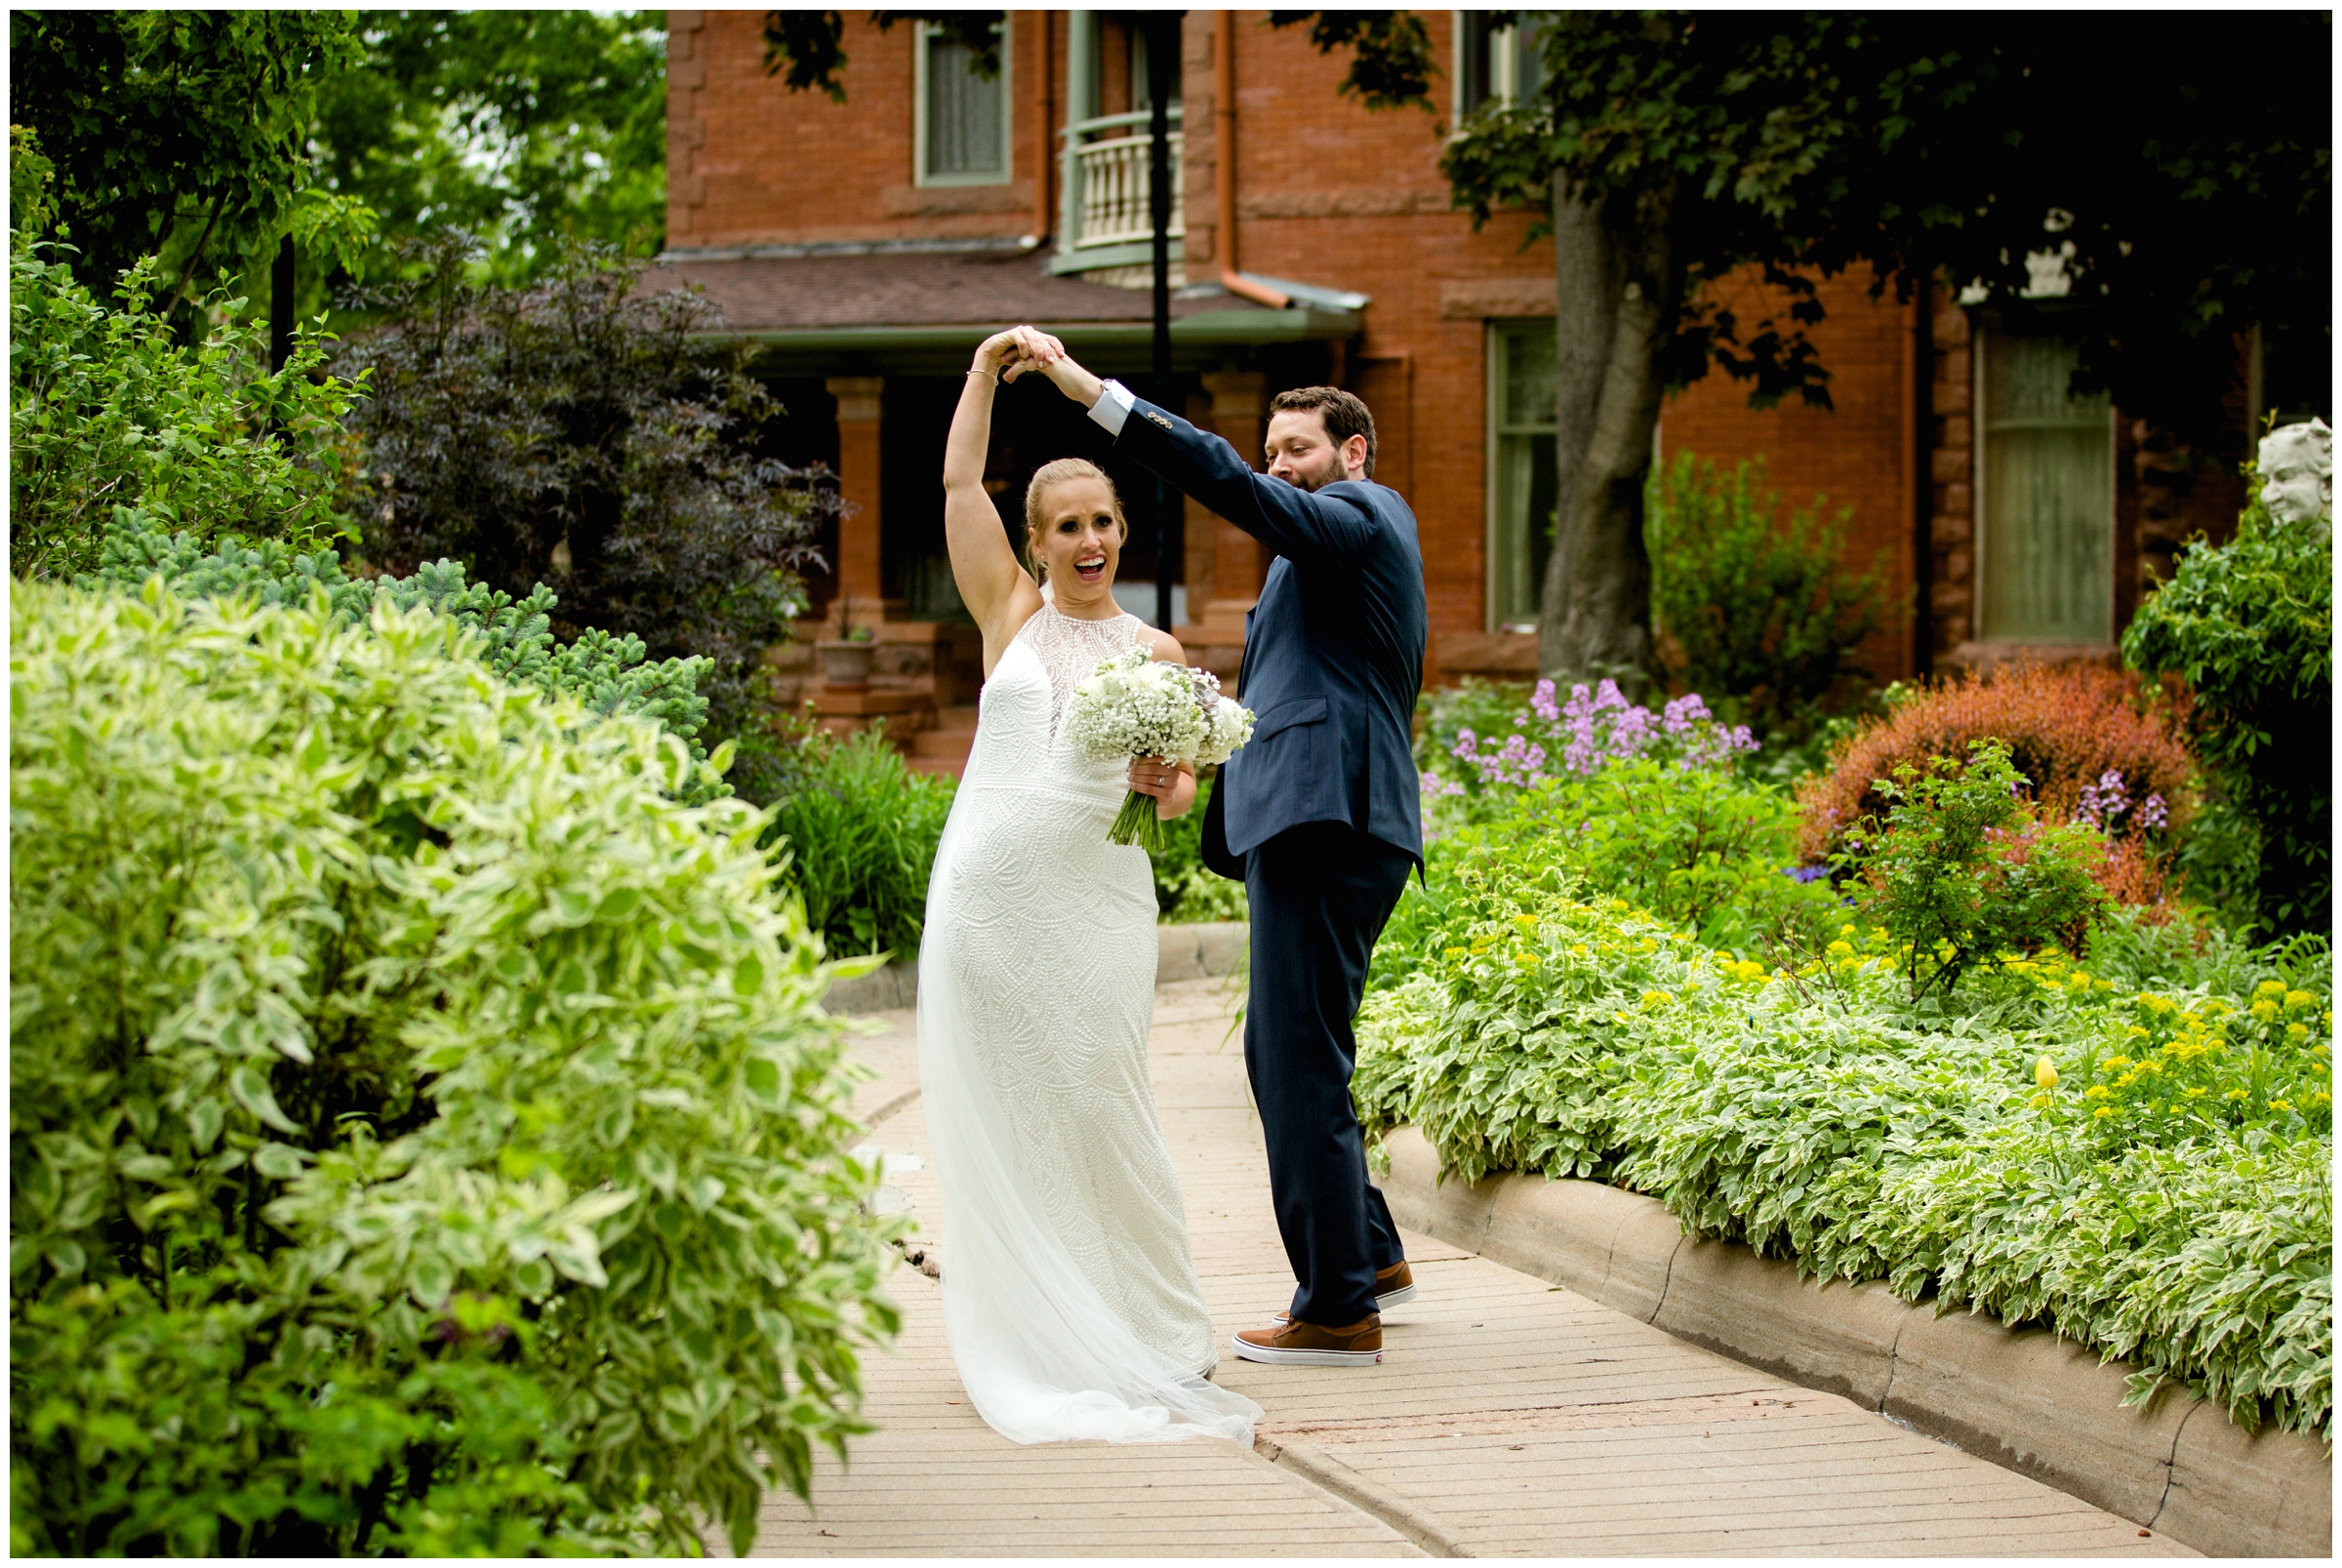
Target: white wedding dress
<point x="1069" y="1293"/>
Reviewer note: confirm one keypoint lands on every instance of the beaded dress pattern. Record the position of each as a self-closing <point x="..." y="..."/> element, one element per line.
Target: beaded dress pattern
<point x="1069" y="1291"/>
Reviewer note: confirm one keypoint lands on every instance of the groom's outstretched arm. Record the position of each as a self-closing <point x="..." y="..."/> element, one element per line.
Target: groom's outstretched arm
<point x="1294" y="522"/>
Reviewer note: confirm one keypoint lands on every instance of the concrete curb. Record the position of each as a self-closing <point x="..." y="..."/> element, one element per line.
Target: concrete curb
<point x="2023" y="1399"/>
<point x="1187" y="952"/>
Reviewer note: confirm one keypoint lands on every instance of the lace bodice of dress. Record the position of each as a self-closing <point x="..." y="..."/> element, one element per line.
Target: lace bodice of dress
<point x="1070" y="650"/>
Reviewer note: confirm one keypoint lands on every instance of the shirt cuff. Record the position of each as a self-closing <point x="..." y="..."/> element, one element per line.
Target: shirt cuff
<point x="1113" y="407"/>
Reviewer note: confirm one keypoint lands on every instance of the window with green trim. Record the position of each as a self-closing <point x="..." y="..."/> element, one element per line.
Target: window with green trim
<point x="1522" y="491"/>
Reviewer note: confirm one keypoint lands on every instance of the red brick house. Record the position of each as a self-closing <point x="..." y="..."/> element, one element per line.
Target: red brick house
<point x="865" y="246"/>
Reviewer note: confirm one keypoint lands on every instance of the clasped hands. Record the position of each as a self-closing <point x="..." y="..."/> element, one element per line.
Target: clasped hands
<point x="1020" y="349"/>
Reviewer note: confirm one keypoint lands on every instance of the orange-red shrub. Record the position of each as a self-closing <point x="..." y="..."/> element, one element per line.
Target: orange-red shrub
<point x="2066" y="725"/>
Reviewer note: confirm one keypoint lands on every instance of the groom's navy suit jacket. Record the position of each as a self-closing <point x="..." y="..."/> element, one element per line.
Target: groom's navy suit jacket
<point x="1333" y="652"/>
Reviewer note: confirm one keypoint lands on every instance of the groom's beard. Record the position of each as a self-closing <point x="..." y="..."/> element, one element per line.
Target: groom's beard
<point x="1316" y="479"/>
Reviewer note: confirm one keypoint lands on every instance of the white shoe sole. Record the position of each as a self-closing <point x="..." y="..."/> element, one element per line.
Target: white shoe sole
<point x="1246" y="1350"/>
<point x="1382" y="1303"/>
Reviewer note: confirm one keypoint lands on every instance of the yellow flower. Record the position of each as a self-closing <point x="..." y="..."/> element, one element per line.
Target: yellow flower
<point x="2280" y="1105"/>
<point x="2126" y="1080"/>
<point x="1578" y="951"/>
<point x="2297" y="1031"/>
<point x="2237" y="1094"/>
<point x="1456" y="952"/>
<point x="2295" y="999"/>
<point x="2132" y="1030"/>
<point x="1526" y="922"/>
<point x="2321" y="1097"/>
<point x="1846" y="931"/>
<point x="2045" y="1074"/>
<point x="2156" y="1004"/>
<point x="2102" y="1110"/>
<point x="2264" y="1010"/>
<point x="2116" y="1064"/>
<point x="2096" y="1091"/>
<point x="1528" y="960"/>
<point x="2196" y="1093"/>
<point x="1654" y="998"/>
<point x="2039" y="1102"/>
<point x="2269" y="987"/>
<point x="1840" y="946"/>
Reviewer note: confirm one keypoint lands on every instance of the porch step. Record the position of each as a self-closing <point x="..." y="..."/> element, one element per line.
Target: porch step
<point x="943" y="749"/>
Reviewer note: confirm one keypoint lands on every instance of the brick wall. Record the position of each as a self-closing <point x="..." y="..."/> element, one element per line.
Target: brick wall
<point x="1857" y="454"/>
<point x="749" y="162"/>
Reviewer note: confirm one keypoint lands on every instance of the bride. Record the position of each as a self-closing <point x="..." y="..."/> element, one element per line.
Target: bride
<point x="1070" y="1295"/>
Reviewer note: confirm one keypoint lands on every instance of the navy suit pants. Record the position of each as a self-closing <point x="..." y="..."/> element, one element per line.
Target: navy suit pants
<point x="1320" y="894"/>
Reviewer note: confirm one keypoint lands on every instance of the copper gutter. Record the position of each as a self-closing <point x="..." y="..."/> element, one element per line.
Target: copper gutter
<point x="1223" y="166"/>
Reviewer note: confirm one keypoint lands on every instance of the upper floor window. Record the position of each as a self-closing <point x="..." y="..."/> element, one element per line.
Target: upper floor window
<point x="1522" y="488"/>
<point x="2046" y="541"/>
<point x="1504" y="63"/>
<point x="964" y="119"/>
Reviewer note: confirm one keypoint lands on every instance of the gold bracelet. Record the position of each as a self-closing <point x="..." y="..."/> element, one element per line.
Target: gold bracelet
<point x="993" y="374"/>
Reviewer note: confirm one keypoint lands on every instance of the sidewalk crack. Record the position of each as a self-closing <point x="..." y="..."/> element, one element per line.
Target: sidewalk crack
<point x="1328" y="1474"/>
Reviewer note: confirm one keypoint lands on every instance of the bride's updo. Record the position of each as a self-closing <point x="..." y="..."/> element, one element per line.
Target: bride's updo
<point x="1036" y="501"/>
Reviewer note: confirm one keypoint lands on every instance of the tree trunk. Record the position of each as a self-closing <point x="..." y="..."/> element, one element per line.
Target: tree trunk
<point x="1615" y="289"/>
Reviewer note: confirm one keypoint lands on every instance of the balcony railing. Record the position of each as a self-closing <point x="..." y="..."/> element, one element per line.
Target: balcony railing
<point x="1106" y="182"/>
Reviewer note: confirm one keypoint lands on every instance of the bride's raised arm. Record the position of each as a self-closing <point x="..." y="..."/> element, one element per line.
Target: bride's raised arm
<point x="997" y="591"/>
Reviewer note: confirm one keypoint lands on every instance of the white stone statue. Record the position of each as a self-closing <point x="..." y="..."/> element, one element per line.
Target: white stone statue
<point x="2297" y="473"/>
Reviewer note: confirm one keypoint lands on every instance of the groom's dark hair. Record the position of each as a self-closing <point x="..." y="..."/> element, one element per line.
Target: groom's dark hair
<point x="1343" y="415"/>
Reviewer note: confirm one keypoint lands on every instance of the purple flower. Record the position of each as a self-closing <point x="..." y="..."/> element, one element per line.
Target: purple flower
<point x="1805" y="873"/>
<point x="2104" y="801"/>
<point x="2153" y="813"/>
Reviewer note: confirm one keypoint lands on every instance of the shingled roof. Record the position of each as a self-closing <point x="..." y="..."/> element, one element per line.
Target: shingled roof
<point x="821" y="299"/>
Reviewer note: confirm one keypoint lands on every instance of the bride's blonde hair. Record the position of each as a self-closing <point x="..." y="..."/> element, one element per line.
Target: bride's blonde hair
<point x="1036" y="501"/>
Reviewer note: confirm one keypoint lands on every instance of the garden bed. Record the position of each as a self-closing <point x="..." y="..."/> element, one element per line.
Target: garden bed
<point x="2026" y="1399"/>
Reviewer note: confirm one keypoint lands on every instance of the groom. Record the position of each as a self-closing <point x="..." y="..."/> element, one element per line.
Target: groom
<point x="1322" y="811"/>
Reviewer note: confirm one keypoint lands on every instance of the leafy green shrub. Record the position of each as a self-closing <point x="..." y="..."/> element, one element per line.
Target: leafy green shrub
<point x="1961" y="869"/>
<point x="514" y="637"/>
<point x="1815" y="1111"/>
<point x="1748" y="607"/>
<point x="1186" y="890"/>
<point x="423" y="1136"/>
<point x="107" y="409"/>
<point x="592" y="432"/>
<point x="861" y="831"/>
<point x="2066" y="727"/>
<point x="2249" y="626"/>
<point x="1709" y="853"/>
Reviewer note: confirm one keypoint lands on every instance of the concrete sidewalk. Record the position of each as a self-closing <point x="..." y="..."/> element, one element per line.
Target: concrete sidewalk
<point x="1509" y="1418"/>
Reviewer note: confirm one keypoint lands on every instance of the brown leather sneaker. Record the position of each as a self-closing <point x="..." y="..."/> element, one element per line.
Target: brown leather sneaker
<point x="1392" y="1286"/>
<point x="1358" y="1344"/>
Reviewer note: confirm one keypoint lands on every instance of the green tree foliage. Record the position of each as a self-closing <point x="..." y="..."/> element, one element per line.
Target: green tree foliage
<point x="2250" y="625"/>
<point x="181" y="134"/>
<point x="1671" y="150"/>
<point x="424" y="1138"/>
<point x="2168" y="1201"/>
<point x="527" y="128"/>
<point x="1757" y="609"/>
<point x="580" y="432"/>
<point x="108" y="408"/>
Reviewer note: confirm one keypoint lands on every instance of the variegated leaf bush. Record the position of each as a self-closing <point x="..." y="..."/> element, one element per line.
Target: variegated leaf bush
<point x="423" y="1136"/>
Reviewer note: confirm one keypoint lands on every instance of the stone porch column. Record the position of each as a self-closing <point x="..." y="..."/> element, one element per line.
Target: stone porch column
<point x="858" y="572"/>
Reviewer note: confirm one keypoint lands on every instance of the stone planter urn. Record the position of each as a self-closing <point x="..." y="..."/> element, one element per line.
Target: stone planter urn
<point x="846" y="664"/>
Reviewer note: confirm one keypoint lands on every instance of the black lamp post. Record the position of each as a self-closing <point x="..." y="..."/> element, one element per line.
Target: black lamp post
<point x="1162" y="58"/>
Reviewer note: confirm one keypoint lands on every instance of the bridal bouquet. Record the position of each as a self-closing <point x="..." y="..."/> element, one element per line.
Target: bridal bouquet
<point x="1137" y="707"/>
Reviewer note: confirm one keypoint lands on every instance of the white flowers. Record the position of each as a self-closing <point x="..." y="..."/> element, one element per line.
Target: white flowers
<point x="1137" y="707"/>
